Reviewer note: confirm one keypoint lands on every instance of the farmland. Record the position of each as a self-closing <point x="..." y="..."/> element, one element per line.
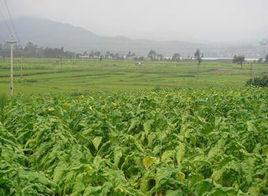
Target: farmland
<point x="159" y="142"/>
<point x="39" y="76"/>
<point x="86" y="127"/>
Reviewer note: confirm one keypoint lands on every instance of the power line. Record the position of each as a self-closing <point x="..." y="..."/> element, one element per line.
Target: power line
<point x="6" y="23"/>
<point x="1" y="38"/>
<point x="12" y="42"/>
<point x="11" y="20"/>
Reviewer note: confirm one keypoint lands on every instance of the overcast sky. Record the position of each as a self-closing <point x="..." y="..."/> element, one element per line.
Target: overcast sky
<point x="189" y="20"/>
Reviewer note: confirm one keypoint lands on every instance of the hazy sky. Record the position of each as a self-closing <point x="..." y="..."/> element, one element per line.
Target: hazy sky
<point x="190" y="20"/>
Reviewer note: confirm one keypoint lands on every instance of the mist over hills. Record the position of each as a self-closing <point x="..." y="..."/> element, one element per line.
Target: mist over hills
<point x="49" y="33"/>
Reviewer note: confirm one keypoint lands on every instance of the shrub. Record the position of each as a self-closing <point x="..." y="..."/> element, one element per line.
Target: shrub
<point x="259" y="81"/>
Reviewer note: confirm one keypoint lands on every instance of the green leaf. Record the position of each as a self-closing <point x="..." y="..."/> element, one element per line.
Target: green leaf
<point x="167" y="155"/>
<point x="180" y="153"/>
<point x="149" y="161"/>
<point x="117" y="156"/>
<point x="96" y="142"/>
<point x="79" y="186"/>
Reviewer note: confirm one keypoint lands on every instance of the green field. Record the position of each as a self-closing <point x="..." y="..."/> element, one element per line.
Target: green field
<point x="86" y="127"/>
<point x="87" y="76"/>
<point x="162" y="142"/>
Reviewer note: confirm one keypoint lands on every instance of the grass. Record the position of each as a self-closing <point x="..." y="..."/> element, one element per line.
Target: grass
<point x="42" y="76"/>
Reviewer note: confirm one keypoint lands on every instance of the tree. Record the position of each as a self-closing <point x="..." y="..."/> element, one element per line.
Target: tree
<point x="266" y="58"/>
<point x="260" y="60"/>
<point x="107" y="55"/>
<point x="239" y="59"/>
<point x="30" y="49"/>
<point x="160" y="57"/>
<point x="130" y="55"/>
<point x="176" y="57"/>
<point x="198" y="56"/>
<point x="97" y="54"/>
<point x="33" y="50"/>
<point x="152" y="54"/>
<point x="117" y="56"/>
<point x="85" y="53"/>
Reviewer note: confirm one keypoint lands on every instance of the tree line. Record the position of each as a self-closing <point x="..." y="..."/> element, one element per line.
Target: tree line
<point x="34" y="51"/>
<point x="31" y="50"/>
<point x="240" y="59"/>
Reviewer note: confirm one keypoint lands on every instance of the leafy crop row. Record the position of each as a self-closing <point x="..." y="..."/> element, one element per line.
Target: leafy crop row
<point x="186" y="142"/>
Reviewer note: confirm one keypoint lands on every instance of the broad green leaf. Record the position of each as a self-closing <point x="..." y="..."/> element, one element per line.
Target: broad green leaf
<point x="96" y="142"/>
<point x="79" y="186"/>
<point x="254" y="190"/>
<point x="180" y="151"/>
<point x="181" y="176"/>
<point x="117" y="156"/>
<point x="149" y="161"/>
<point x="167" y="155"/>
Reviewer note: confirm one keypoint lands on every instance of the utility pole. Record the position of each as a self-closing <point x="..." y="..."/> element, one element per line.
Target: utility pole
<point x="21" y="68"/>
<point x="264" y="43"/>
<point x="252" y="71"/>
<point x="12" y="43"/>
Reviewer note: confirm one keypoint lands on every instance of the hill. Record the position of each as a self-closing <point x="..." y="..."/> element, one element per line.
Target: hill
<point x="49" y="33"/>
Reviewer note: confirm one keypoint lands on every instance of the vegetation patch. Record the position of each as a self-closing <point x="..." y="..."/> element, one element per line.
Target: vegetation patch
<point x="259" y="81"/>
<point x="161" y="142"/>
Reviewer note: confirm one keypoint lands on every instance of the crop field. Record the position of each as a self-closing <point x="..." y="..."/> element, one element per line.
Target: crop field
<point x="86" y="127"/>
<point x="160" y="142"/>
<point x="39" y="76"/>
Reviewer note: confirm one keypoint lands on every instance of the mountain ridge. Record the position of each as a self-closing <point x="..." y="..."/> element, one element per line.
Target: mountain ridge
<point x="48" y="33"/>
